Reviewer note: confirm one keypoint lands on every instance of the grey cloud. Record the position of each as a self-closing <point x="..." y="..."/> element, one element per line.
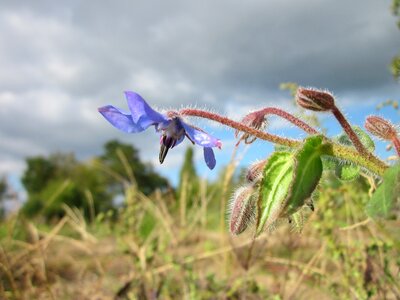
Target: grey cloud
<point x="61" y="60"/>
<point x="228" y="46"/>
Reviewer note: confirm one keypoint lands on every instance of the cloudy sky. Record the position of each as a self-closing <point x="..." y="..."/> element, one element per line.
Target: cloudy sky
<point x="60" y="60"/>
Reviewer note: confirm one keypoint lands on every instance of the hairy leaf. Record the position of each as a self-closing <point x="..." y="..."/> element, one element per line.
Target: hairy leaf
<point x="387" y="194"/>
<point x="347" y="172"/>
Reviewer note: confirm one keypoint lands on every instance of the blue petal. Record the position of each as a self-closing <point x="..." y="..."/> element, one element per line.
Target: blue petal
<point x="142" y="114"/>
<point x="200" y="137"/>
<point x="119" y="119"/>
<point x="209" y="157"/>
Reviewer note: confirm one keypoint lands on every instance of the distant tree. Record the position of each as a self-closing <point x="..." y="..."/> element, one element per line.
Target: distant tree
<point x="61" y="179"/>
<point x="40" y="170"/>
<point x="7" y="194"/>
<point x="49" y="202"/>
<point x="38" y="173"/>
<point x="3" y="187"/>
<point x="123" y="159"/>
<point x="3" y="190"/>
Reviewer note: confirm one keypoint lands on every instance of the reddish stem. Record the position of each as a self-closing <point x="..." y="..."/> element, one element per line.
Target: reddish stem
<point x="349" y="131"/>
<point x="368" y="160"/>
<point x="289" y="117"/>
<point x="396" y="143"/>
<point x="239" y="126"/>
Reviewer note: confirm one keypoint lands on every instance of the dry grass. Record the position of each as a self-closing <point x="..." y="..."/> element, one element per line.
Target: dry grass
<point x="161" y="247"/>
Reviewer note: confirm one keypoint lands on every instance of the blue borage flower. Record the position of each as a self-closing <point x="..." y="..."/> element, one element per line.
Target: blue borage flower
<point x="173" y="129"/>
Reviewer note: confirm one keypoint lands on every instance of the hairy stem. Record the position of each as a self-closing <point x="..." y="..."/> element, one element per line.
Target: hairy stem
<point x="289" y="117"/>
<point x="241" y="127"/>
<point x="396" y="143"/>
<point x="366" y="160"/>
<point x="349" y="131"/>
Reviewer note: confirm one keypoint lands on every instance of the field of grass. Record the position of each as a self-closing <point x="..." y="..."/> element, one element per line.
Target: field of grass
<point x="165" y="246"/>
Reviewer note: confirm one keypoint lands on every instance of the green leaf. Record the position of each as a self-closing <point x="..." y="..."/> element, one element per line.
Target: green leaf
<point x="347" y="172"/>
<point x="289" y="179"/>
<point x="386" y="195"/>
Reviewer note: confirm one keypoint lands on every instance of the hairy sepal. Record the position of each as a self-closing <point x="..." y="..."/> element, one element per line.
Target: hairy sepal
<point x="289" y="179"/>
<point x="278" y="174"/>
<point x="242" y="210"/>
<point x="307" y="173"/>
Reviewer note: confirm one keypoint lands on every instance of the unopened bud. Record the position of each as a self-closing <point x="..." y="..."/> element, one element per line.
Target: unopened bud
<point x="254" y="173"/>
<point x="315" y="100"/>
<point x="255" y="120"/>
<point x="380" y="127"/>
<point x="243" y="209"/>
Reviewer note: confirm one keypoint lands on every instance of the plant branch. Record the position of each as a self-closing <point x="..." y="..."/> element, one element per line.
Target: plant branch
<point x="241" y="127"/>
<point x="289" y="117"/>
<point x="366" y="160"/>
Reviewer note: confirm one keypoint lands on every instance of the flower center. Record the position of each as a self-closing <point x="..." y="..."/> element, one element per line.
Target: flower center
<point x="171" y="135"/>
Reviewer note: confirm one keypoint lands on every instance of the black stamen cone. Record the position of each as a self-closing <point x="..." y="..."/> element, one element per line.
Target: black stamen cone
<point x="163" y="153"/>
<point x="166" y="143"/>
